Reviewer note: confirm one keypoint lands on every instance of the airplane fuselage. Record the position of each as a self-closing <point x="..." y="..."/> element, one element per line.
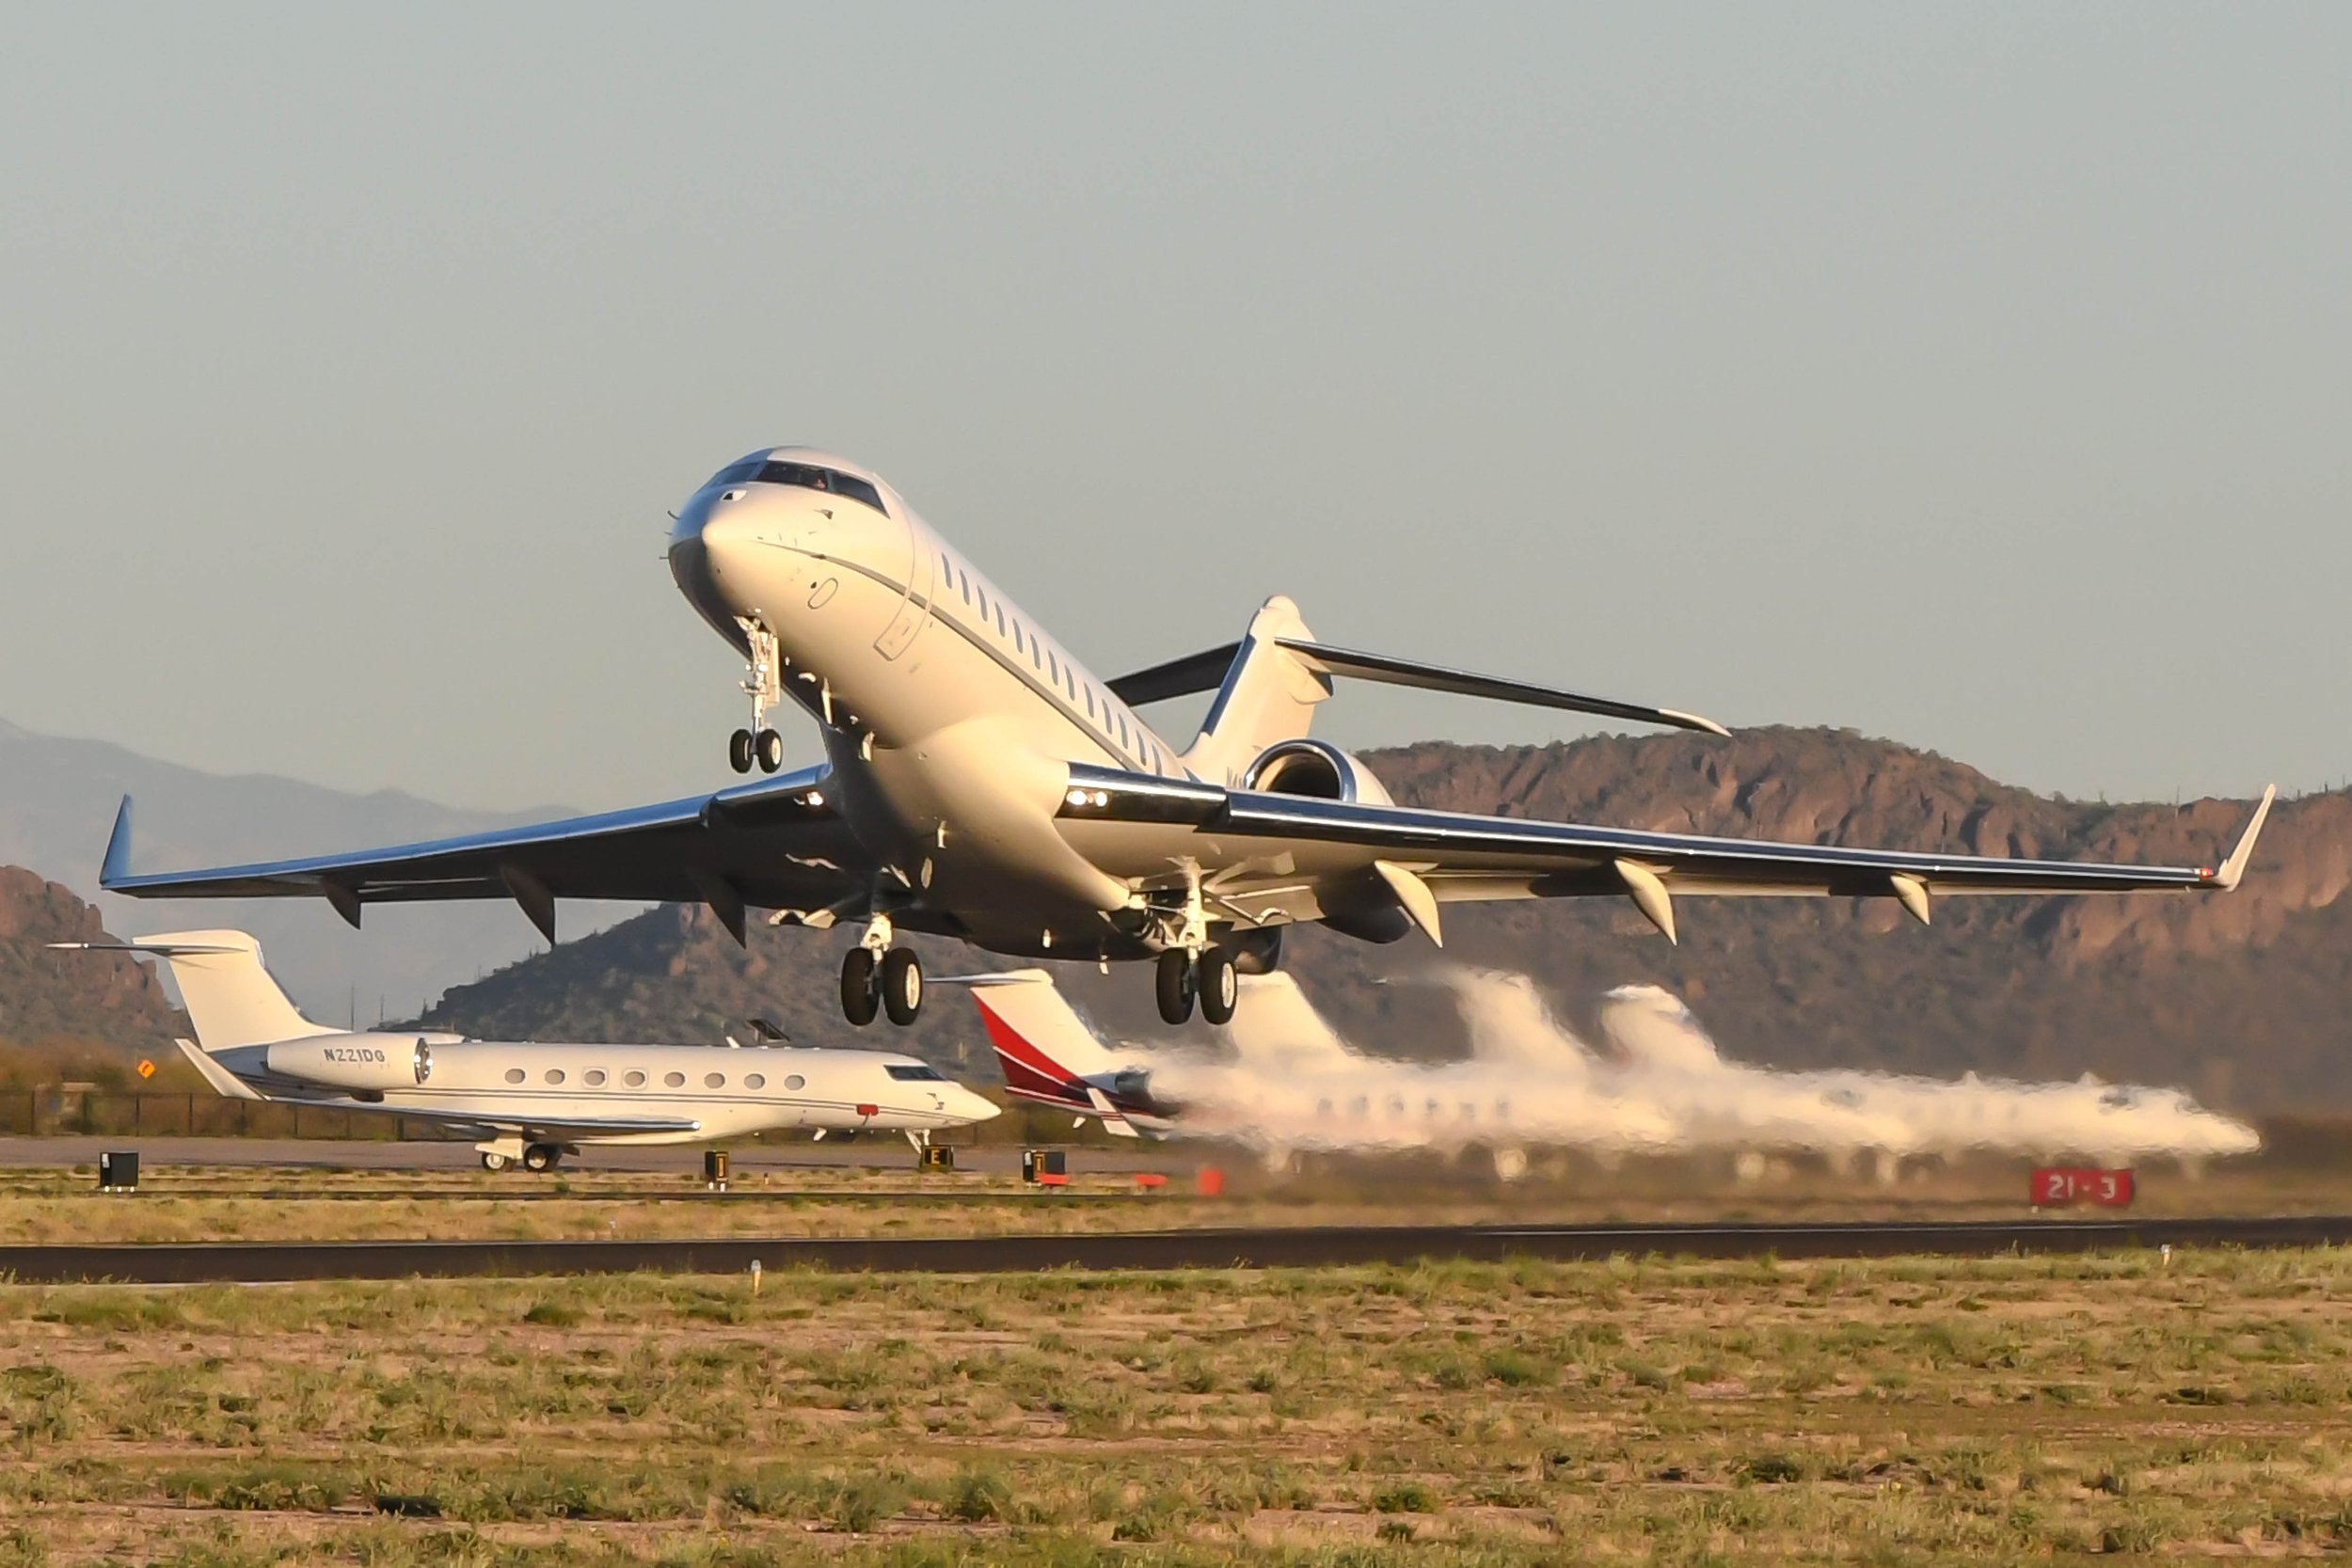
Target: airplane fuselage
<point x="950" y="719"/>
<point x="720" y="1091"/>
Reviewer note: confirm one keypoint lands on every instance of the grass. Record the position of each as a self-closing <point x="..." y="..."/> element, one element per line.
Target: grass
<point x="1656" y="1411"/>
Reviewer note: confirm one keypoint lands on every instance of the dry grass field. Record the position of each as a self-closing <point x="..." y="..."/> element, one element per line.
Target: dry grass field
<point x="1911" y="1411"/>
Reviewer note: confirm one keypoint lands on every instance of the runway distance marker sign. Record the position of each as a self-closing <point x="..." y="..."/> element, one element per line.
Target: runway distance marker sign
<point x="2056" y="1186"/>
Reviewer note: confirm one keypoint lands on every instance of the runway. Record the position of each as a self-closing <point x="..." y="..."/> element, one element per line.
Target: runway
<point x="263" y="1262"/>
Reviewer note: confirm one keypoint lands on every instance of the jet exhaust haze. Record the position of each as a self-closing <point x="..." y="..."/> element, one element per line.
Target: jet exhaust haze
<point x="1656" y="1084"/>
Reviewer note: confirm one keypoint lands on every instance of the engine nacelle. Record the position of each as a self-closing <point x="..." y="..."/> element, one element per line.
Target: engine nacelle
<point x="1316" y="770"/>
<point x="359" y="1062"/>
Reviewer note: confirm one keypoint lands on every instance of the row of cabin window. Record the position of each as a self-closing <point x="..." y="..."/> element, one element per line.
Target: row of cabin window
<point x="1044" y="660"/>
<point x="635" y="1079"/>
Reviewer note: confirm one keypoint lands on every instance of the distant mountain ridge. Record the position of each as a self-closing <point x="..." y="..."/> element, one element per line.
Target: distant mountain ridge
<point x="2242" y="998"/>
<point x="57" y="800"/>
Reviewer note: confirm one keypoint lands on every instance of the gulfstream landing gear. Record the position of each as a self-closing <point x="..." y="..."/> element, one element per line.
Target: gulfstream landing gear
<point x="878" y="977"/>
<point x="764" y="684"/>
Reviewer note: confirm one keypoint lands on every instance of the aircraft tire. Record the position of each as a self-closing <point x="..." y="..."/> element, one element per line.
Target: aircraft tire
<point x="493" y="1162"/>
<point x="1221" y="988"/>
<point x="1174" y="986"/>
<point x="903" y="986"/>
<point x="740" y="747"/>
<point x="768" y="749"/>
<point x="539" y="1157"/>
<point x="860" y="998"/>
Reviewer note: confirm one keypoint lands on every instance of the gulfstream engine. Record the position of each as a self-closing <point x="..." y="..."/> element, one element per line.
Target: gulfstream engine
<point x="1316" y="770"/>
<point x="359" y="1062"/>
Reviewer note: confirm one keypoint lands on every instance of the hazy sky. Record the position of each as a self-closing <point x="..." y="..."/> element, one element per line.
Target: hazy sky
<point x="1977" y="378"/>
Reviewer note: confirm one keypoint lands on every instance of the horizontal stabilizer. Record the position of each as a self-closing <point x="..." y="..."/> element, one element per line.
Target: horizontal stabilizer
<point x="1206" y="670"/>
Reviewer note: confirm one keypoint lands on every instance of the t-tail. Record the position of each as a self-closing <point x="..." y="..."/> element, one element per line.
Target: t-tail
<point x="228" y="995"/>
<point x="1267" y="686"/>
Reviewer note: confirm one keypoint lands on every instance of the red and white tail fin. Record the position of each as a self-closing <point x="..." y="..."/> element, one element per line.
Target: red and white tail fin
<point x="1046" y="1049"/>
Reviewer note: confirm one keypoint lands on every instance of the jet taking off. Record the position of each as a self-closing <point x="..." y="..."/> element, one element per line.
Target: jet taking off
<point x="530" y="1103"/>
<point x="981" y="783"/>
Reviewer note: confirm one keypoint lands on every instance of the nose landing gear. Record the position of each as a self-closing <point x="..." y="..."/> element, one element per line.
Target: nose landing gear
<point x="764" y="684"/>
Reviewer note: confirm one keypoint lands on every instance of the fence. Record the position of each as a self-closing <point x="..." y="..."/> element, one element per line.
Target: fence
<point x="45" y="1112"/>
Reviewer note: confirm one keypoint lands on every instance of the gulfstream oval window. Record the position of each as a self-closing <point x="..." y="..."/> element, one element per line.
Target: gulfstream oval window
<point x="555" y="1075"/>
<point x="795" y="1081"/>
<point x="593" y="1077"/>
<point x="674" y="1080"/>
<point x="513" y="1075"/>
<point x="714" y="1080"/>
<point x="756" y="1081"/>
<point x="634" y="1080"/>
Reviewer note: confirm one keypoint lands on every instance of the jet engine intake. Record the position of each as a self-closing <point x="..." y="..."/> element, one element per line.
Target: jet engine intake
<point x="1316" y="770"/>
<point x="358" y="1062"/>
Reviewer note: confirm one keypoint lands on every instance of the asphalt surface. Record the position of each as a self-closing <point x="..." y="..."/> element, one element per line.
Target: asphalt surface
<point x="258" y="1262"/>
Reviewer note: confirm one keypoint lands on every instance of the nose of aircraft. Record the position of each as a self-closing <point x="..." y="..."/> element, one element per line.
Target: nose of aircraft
<point x="706" y="547"/>
<point x="973" y="1106"/>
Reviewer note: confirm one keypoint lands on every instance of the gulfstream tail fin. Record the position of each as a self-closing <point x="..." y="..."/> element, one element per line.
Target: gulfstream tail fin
<point x="229" y="996"/>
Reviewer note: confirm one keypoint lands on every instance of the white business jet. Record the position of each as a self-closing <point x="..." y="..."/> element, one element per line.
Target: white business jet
<point x="531" y="1103"/>
<point x="981" y="782"/>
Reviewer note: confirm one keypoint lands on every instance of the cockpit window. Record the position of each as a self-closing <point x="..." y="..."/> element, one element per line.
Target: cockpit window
<point x="913" y="1073"/>
<point x="858" y="490"/>
<point x="809" y="477"/>
<point x="735" y="473"/>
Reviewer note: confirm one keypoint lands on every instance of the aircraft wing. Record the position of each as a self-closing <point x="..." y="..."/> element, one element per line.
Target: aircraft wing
<point x="1271" y="856"/>
<point x="771" y="844"/>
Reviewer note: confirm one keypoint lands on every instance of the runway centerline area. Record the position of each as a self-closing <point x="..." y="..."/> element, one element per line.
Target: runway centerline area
<point x="262" y="1262"/>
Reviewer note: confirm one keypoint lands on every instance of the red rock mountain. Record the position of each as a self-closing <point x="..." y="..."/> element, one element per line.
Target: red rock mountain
<point x="2240" y="998"/>
<point x="103" y="999"/>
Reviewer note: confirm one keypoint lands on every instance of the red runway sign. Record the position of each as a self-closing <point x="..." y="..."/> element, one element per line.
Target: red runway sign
<point x="2055" y="1186"/>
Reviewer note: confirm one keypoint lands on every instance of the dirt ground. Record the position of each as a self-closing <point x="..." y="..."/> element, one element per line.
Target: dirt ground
<point x="1903" y="1411"/>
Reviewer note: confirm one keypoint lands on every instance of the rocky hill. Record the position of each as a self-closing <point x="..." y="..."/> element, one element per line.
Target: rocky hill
<point x="106" y="1001"/>
<point x="2242" y="999"/>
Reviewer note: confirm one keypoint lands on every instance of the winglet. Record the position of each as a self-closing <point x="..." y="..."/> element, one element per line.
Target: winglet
<point x="118" y="861"/>
<point x="2232" y="869"/>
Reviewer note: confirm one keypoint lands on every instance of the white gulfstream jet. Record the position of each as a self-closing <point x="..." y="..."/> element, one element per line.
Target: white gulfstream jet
<point x="531" y="1103"/>
<point x="981" y="783"/>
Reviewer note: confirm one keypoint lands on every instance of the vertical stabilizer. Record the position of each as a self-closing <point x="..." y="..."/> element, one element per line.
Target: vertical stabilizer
<point x="229" y="997"/>
<point x="1046" y="1049"/>
<point x="1269" y="694"/>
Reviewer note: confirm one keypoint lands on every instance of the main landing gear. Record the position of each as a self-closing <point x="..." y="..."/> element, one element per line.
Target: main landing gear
<point x="1210" y="979"/>
<point x="508" y="1152"/>
<point x="764" y="684"/>
<point x="878" y="977"/>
